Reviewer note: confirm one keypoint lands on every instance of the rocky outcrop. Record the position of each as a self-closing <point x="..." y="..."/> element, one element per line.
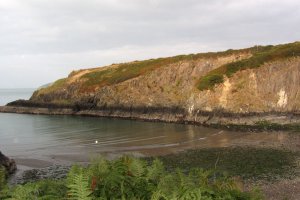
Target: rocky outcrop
<point x="242" y="87"/>
<point x="9" y="164"/>
<point x="215" y="118"/>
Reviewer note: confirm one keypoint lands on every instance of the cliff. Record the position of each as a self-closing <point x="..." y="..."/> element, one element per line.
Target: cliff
<point x="261" y="80"/>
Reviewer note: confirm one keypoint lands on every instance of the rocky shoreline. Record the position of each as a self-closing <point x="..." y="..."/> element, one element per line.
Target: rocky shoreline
<point x="54" y="172"/>
<point x="277" y="180"/>
<point x="218" y="119"/>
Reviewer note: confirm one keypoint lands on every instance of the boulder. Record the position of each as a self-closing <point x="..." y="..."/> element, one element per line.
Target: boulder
<point x="8" y="164"/>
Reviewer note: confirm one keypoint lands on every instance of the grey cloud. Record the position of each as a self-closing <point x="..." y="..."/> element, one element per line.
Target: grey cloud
<point x="79" y="34"/>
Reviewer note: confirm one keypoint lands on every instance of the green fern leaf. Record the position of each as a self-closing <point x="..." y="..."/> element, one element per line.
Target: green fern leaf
<point x="79" y="188"/>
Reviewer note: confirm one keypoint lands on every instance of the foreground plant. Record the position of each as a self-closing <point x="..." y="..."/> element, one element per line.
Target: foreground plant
<point x="130" y="178"/>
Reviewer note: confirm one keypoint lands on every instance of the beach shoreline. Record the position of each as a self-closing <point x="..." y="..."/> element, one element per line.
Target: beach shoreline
<point x="230" y="121"/>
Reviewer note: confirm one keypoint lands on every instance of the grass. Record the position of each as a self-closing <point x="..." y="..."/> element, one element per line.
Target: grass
<point x="210" y="80"/>
<point x="131" y="70"/>
<point x="60" y="83"/>
<point x="261" y="56"/>
<point x="128" y="71"/>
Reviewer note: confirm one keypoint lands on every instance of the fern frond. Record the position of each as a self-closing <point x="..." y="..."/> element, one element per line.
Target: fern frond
<point x="159" y="195"/>
<point x="190" y="194"/>
<point x="79" y="188"/>
<point x="99" y="167"/>
<point x="136" y="168"/>
<point x="29" y="191"/>
<point x="156" y="170"/>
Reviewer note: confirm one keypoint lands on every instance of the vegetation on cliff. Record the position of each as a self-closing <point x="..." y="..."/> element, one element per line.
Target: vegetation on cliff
<point x="267" y="81"/>
<point x="117" y="73"/>
<point x="261" y="55"/>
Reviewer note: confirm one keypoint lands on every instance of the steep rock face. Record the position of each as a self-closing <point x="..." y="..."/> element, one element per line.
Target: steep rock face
<point x="167" y="85"/>
<point x="273" y="87"/>
<point x="258" y="81"/>
<point x="171" y="85"/>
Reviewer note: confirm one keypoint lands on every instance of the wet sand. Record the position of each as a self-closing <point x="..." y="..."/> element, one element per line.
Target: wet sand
<point x="275" y="190"/>
<point x="279" y="139"/>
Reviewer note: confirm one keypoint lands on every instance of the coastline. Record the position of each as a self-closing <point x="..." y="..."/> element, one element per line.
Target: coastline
<point x="277" y="180"/>
<point x="285" y="186"/>
<point x="215" y="119"/>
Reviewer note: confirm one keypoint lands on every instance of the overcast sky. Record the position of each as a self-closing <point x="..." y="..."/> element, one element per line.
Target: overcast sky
<point x="43" y="40"/>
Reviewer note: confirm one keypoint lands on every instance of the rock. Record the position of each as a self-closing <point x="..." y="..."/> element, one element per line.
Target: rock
<point x="55" y="172"/>
<point x="8" y="164"/>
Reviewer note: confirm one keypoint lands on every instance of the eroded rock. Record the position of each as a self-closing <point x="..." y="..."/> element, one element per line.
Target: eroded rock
<point x="8" y="164"/>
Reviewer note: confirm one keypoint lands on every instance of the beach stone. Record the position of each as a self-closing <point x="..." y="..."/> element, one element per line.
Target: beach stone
<point x="54" y="172"/>
<point x="8" y="164"/>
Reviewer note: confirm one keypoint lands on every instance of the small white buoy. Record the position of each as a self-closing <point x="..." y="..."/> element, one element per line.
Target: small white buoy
<point x="96" y="142"/>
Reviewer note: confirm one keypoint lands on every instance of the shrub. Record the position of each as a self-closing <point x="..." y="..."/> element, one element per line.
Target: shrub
<point x="210" y="80"/>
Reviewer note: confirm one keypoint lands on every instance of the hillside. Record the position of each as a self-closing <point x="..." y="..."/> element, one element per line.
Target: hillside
<point x="261" y="79"/>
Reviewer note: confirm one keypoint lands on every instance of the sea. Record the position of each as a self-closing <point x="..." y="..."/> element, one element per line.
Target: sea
<point x="42" y="140"/>
<point x="9" y="95"/>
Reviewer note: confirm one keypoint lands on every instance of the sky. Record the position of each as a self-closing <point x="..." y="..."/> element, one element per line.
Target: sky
<point x="44" y="40"/>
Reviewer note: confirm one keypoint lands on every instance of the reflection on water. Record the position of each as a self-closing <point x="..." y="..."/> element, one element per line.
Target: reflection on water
<point x="36" y="136"/>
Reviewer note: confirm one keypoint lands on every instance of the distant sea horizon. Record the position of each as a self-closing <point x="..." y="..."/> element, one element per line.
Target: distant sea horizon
<point x="11" y="94"/>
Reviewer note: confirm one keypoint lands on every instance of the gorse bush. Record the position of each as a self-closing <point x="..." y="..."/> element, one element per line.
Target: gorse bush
<point x="130" y="178"/>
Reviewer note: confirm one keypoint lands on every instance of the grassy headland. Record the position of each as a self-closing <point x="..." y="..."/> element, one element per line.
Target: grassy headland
<point x="261" y="55"/>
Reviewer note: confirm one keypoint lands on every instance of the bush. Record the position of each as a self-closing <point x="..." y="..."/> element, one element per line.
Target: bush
<point x="210" y="80"/>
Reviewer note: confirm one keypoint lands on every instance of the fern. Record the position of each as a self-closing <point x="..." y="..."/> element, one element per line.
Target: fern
<point x="2" y="177"/>
<point x="158" y="195"/>
<point x="29" y="191"/>
<point x="75" y="169"/>
<point x="136" y="167"/>
<point x="190" y="194"/>
<point x="99" y="167"/>
<point x="130" y="178"/>
<point x="51" y="189"/>
<point x="79" y="187"/>
<point x="155" y="171"/>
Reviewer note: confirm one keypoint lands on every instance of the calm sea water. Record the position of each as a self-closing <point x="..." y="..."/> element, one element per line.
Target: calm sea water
<point x="69" y="138"/>
<point x="8" y="95"/>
